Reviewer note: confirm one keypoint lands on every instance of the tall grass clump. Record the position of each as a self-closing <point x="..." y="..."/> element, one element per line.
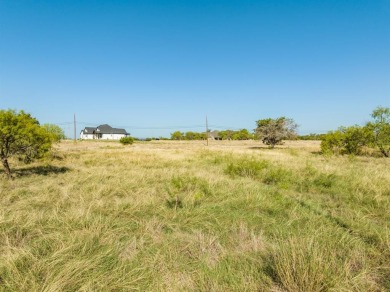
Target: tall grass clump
<point x="246" y="168"/>
<point x="316" y="263"/>
<point x="260" y="170"/>
<point x="186" y="191"/>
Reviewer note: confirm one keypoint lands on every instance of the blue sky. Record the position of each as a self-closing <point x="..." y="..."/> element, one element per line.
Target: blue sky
<point x="157" y="66"/>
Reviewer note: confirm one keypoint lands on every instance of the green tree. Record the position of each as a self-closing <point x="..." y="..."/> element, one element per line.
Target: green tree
<point x="201" y="136"/>
<point x="380" y="129"/>
<point x="190" y="135"/>
<point x="355" y="138"/>
<point x="55" y="131"/>
<point x="346" y="140"/>
<point x="21" y="135"/>
<point x="273" y="131"/>
<point x="226" y="134"/>
<point x="332" y="142"/>
<point x="242" y="134"/>
<point x="177" y="135"/>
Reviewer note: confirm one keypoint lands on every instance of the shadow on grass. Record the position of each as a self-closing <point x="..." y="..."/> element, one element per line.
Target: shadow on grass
<point x="260" y="147"/>
<point x="40" y="170"/>
<point x="268" y="147"/>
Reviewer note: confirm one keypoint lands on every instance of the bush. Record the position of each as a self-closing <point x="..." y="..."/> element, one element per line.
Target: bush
<point x="127" y="140"/>
<point x="346" y="140"/>
<point x="351" y="140"/>
<point x="332" y="142"/>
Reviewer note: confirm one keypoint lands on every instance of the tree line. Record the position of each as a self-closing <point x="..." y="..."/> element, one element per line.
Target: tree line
<point x="242" y="134"/>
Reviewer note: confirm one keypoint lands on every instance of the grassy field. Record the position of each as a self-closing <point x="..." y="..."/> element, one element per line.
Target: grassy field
<point x="181" y="216"/>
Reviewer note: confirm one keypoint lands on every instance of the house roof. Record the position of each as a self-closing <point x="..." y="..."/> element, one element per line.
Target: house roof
<point x="89" y="130"/>
<point x="104" y="129"/>
<point x="107" y="129"/>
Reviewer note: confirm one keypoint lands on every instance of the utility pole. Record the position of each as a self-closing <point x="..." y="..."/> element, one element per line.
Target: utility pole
<point x="74" y="121"/>
<point x="207" y="132"/>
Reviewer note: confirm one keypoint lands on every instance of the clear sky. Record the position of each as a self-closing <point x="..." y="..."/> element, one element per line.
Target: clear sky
<point x="156" y="66"/>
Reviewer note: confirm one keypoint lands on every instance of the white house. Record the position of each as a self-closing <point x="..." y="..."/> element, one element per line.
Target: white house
<point x="103" y="132"/>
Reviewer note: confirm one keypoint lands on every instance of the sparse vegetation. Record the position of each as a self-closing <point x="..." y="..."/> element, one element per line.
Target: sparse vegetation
<point x="180" y="216"/>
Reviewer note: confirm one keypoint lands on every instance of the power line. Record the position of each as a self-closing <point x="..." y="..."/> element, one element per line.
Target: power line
<point x="170" y="127"/>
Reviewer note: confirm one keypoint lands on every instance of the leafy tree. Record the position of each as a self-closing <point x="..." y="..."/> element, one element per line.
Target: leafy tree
<point x="351" y="140"/>
<point x="226" y="135"/>
<point x="346" y="140"/>
<point x="21" y="135"/>
<point x="242" y="134"/>
<point x="177" y="135"/>
<point x="55" y="131"/>
<point x="203" y="136"/>
<point x="190" y="135"/>
<point x="380" y="128"/>
<point x="355" y="138"/>
<point x="273" y="131"/>
<point x="332" y="142"/>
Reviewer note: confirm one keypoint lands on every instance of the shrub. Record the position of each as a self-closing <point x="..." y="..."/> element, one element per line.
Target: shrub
<point x="332" y="142"/>
<point x="346" y="140"/>
<point x="127" y="140"/>
<point x="351" y="140"/>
